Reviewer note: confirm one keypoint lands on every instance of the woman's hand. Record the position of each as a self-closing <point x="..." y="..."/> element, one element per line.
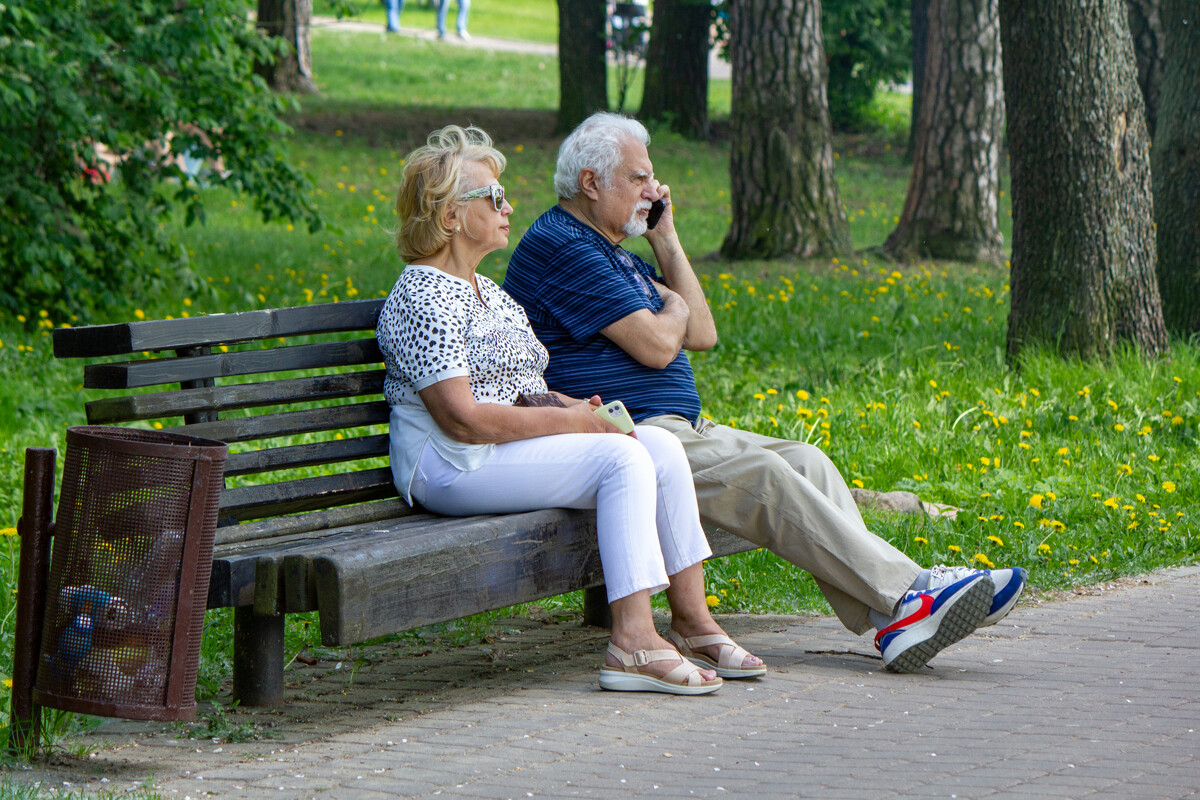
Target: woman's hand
<point x="452" y="406"/>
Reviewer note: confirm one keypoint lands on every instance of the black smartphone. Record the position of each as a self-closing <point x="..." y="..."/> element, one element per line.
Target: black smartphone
<point x="656" y="211"/>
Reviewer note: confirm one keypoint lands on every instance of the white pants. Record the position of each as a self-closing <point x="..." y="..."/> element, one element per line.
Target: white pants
<point x="647" y="524"/>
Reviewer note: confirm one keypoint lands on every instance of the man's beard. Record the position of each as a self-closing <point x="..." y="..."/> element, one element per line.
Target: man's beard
<point x="636" y="226"/>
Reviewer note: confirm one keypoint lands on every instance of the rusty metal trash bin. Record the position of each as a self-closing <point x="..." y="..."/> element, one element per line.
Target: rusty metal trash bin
<point x="128" y="583"/>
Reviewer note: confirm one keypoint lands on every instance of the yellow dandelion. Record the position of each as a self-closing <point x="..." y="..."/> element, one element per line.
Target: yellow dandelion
<point x="1112" y="502"/>
<point x="712" y="601"/>
<point x="8" y="531"/>
<point x="954" y="548"/>
<point x="920" y="540"/>
<point x="759" y="396"/>
<point x="857" y="483"/>
<point x="996" y="540"/>
<point x="982" y="559"/>
<point x="1124" y="469"/>
<point x="1018" y="524"/>
<point x="1036" y="500"/>
<point x="1168" y="486"/>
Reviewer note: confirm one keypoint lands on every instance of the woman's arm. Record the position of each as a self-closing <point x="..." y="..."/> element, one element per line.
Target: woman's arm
<point x="453" y="408"/>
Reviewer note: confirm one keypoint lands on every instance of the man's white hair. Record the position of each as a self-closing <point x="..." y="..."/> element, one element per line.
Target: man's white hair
<point x="595" y="144"/>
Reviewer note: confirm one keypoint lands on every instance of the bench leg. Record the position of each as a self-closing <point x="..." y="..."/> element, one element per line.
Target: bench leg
<point x="595" y="607"/>
<point x="257" y="658"/>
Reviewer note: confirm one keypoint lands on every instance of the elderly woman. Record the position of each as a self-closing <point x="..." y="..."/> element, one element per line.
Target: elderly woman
<point x="460" y="352"/>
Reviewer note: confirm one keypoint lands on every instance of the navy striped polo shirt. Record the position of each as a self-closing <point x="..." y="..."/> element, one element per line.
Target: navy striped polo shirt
<point x="572" y="283"/>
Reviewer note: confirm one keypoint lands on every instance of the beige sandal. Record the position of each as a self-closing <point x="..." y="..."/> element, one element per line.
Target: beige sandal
<point x="729" y="661"/>
<point x="683" y="679"/>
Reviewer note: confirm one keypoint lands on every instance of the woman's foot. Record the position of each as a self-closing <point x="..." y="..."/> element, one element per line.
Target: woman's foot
<point x="712" y="648"/>
<point x="649" y="644"/>
<point x="659" y="670"/>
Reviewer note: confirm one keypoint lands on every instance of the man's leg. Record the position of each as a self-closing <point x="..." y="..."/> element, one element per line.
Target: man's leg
<point x="799" y="508"/>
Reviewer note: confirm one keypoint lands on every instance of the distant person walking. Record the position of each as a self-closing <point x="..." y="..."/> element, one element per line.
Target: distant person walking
<point x="394" y="9"/>
<point x="464" y="8"/>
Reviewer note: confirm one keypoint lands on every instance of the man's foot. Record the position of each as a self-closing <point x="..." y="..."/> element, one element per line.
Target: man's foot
<point x="466" y="37"/>
<point x="927" y="622"/>
<point x="1007" y="585"/>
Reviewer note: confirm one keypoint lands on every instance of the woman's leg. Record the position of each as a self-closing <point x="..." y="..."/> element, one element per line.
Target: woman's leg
<point x="613" y="474"/>
<point x="610" y="473"/>
<point x="682" y="540"/>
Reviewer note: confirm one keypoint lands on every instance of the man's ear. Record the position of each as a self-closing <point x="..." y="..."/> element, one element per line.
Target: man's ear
<point x="589" y="183"/>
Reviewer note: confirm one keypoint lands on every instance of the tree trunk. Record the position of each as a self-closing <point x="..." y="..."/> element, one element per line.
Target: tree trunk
<point x="1145" y="25"/>
<point x="676" y="82"/>
<point x="582" y="70"/>
<point x="1176" y="161"/>
<point x="288" y="20"/>
<point x="785" y="199"/>
<point x="1083" y="257"/>
<point x="919" y="22"/>
<point x="953" y="193"/>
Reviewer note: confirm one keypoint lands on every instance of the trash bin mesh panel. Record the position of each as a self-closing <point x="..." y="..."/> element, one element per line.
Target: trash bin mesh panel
<point x="118" y="556"/>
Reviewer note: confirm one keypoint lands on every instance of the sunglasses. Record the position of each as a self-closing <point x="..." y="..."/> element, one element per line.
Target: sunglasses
<point x="495" y="191"/>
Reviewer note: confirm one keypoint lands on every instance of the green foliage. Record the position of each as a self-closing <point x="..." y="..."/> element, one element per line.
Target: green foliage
<point x="867" y="43"/>
<point x="77" y="233"/>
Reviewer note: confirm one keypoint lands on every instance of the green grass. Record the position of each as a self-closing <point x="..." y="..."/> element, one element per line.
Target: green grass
<point x="1079" y="472"/>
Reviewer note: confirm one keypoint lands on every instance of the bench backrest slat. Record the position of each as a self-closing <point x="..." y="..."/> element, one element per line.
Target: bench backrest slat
<point x="305" y="494"/>
<point x="290" y="423"/>
<point x="157" y="371"/>
<point x="172" y="334"/>
<point x="309" y="436"/>
<point x="247" y="533"/>
<point x="178" y="402"/>
<point x="307" y="455"/>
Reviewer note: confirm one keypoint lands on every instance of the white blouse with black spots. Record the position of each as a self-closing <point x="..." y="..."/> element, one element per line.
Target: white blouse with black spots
<point x="434" y="327"/>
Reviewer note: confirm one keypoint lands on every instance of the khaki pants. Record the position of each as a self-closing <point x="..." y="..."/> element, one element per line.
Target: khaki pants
<point x="790" y="498"/>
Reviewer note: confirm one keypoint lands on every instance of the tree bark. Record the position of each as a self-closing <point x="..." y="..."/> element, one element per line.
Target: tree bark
<point x="582" y="69"/>
<point x="288" y="20"/>
<point x="785" y="198"/>
<point x="1083" y="259"/>
<point x="1175" y="158"/>
<point x="919" y="22"/>
<point x="953" y="193"/>
<point x="676" y="80"/>
<point x="1145" y="25"/>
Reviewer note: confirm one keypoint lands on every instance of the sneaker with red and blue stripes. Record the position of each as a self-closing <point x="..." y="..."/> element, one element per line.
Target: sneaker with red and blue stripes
<point x="1007" y="585"/>
<point x="927" y="622"/>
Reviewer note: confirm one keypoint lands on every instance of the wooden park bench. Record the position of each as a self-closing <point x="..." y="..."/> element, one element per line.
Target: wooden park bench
<point x="309" y="517"/>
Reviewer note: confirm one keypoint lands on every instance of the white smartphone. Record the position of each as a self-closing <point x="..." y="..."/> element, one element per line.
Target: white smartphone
<point x="615" y="413"/>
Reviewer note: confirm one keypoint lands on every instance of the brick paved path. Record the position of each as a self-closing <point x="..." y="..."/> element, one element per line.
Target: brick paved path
<point x="1095" y="695"/>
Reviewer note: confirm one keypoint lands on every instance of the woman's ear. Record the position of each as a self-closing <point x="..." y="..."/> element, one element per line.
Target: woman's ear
<point x="452" y="216"/>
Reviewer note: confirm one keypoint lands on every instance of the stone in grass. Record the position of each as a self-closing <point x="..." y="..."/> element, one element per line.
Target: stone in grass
<point x="902" y="503"/>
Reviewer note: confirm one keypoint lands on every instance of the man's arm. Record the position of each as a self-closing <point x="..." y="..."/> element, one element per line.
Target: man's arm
<point x="685" y="320"/>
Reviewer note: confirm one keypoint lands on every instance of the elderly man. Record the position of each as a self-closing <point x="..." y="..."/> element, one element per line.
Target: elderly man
<point x="617" y="328"/>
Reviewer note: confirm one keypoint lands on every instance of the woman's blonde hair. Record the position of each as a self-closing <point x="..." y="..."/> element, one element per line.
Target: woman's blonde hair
<point x="432" y="182"/>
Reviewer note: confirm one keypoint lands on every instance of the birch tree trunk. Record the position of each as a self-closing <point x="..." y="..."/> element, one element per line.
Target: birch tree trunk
<point x="1176" y="161"/>
<point x="953" y="193"/>
<point x="1083" y="262"/>
<point x="785" y="199"/>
